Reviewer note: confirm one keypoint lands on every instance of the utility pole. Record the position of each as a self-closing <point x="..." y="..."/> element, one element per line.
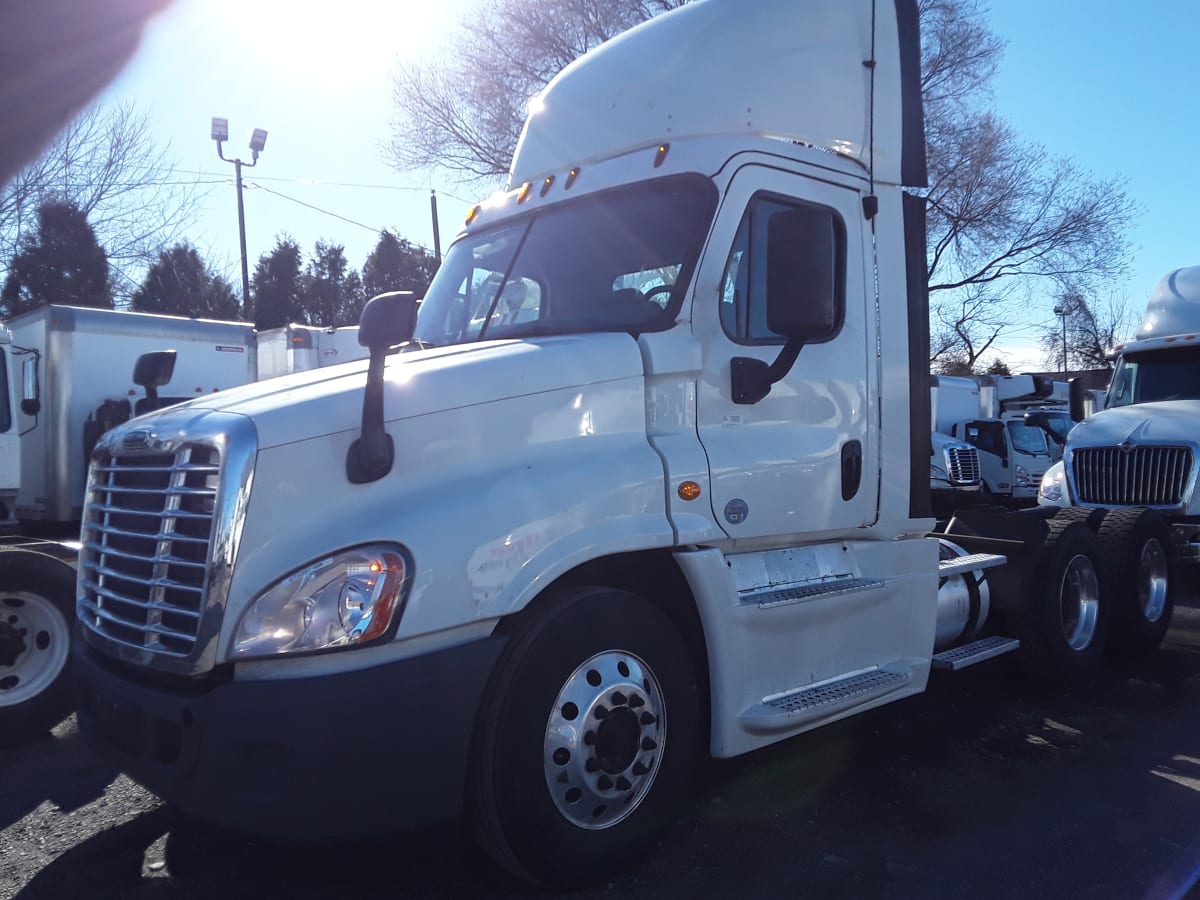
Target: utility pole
<point x="258" y="140"/>
<point x="437" y="234"/>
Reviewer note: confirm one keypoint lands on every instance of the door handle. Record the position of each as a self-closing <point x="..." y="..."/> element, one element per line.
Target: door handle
<point x="851" y="468"/>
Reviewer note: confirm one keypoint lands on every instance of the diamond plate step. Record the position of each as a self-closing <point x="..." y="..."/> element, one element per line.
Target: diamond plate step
<point x="976" y="652"/>
<point x="801" y="593"/>
<point x="972" y="563"/>
<point x="786" y="711"/>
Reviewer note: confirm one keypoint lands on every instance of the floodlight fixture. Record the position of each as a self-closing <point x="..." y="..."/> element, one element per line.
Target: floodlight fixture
<point x="258" y="140"/>
<point x="220" y="129"/>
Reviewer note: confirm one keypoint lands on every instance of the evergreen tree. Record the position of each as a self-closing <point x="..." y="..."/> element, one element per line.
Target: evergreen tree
<point x="277" y="287"/>
<point x="332" y="290"/>
<point x="180" y="284"/>
<point x="61" y="262"/>
<point x="397" y="265"/>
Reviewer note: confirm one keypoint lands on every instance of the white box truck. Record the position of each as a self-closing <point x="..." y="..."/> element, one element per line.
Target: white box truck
<point x="646" y="478"/>
<point x="68" y="376"/>
<point x="299" y="348"/>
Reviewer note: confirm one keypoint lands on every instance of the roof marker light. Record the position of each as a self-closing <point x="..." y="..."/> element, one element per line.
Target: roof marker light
<point x="472" y="213"/>
<point x="571" y="176"/>
<point x="523" y="195"/>
<point x="661" y="154"/>
<point x="546" y="185"/>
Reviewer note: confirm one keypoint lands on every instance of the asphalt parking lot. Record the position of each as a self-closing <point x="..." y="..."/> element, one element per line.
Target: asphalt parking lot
<point x="982" y="787"/>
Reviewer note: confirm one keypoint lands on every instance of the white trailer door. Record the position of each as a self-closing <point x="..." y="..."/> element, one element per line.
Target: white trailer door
<point x="804" y="460"/>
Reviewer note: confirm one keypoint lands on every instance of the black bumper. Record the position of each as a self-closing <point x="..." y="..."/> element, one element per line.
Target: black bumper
<point x="310" y="758"/>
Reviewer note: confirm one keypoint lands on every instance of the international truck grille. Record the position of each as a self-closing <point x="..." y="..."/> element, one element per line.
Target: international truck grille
<point x="1132" y="476"/>
<point x="148" y="525"/>
<point x="963" y="465"/>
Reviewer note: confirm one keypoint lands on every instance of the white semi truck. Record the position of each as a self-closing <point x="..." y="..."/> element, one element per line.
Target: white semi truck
<point x="1138" y="451"/>
<point x="646" y="478"/>
<point x="67" y="375"/>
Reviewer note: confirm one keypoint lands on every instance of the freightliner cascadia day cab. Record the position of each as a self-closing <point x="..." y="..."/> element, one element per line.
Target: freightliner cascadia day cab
<point x="646" y="478"/>
<point x="68" y="375"/>
<point x="1138" y="452"/>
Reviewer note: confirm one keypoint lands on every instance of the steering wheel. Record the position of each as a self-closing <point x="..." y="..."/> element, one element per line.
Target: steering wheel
<point x="658" y="289"/>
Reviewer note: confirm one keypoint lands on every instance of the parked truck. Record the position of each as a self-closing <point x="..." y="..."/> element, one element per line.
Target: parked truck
<point x="1136" y="455"/>
<point x="298" y="348"/>
<point x="529" y="566"/>
<point x="988" y="412"/>
<point x="66" y="375"/>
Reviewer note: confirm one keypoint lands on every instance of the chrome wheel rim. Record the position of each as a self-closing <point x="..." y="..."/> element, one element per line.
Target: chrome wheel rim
<point x="1079" y="602"/>
<point x="604" y="740"/>
<point x="1152" y="580"/>
<point x="43" y="640"/>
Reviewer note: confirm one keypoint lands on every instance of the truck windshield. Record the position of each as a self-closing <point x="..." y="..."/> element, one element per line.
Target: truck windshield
<point x="1027" y="439"/>
<point x="1168" y="374"/>
<point x="616" y="261"/>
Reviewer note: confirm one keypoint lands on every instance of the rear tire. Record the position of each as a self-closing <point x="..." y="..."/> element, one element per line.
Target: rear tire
<point x="37" y="601"/>
<point x="587" y="738"/>
<point x="1137" y="545"/>
<point x="1065" y="622"/>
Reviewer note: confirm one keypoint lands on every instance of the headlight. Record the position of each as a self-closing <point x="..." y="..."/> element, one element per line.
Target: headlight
<point x="344" y="600"/>
<point x="1053" y="490"/>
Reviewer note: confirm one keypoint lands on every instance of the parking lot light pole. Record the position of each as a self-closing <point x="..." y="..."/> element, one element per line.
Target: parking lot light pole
<point x="1062" y="311"/>
<point x="220" y="134"/>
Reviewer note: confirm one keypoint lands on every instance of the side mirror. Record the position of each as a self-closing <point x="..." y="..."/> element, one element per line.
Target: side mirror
<point x="386" y="320"/>
<point x="31" y="391"/>
<point x="152" y="371"/>
<point x="1042" y="421"/>
<point x="805" y="246"/>
<point x="1078" y="402"/>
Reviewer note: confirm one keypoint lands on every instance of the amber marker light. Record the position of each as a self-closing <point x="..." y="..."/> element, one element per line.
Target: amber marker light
<point x="689" y="490"/>
<point x="472" y="213"/>
<point x="571" y="176"/>
<point x="524" y="194"/>
<point x="661" y="154"/>
<point x="546" y="185"/>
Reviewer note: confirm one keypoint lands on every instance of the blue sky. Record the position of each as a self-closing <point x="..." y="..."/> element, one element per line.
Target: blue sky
<point x="1112" y="85"/>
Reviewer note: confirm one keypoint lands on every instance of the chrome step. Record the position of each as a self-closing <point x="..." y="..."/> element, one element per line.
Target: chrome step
<point x="975" y="652"/>
<point x="801" y="593"/>
<point x="973" y="563"/>
<point x="782" y="712"/>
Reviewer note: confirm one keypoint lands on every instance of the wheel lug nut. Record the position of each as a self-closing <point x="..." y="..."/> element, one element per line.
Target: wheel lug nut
<point x="589" y="737"/>
<point x="639" y="769"/>
<point x="648" y="744"/>
<point x="618" y="699"/>
<point x="623" y="784"/>
<point x="636" y="700"/>
<point x="592" y="765"/>
<point x="648" y="719"/>
<point x="604" y="783"/>
<point x="601" y="712"/>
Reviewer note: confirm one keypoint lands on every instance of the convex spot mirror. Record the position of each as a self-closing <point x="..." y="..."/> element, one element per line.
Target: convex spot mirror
<point x="804" y="249"/>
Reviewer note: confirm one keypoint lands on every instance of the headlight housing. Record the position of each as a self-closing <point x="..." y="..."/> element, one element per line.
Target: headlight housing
<point x="1053" y="489"/>
<point x="351" y="598"/>
<point x="1022" y="476"/>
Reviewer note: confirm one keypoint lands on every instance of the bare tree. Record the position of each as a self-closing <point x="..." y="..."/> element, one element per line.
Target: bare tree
<point x="1005" y="217"/>
<point x="464" y="117"/>
<point x="1088" y="331"/>
<point x="108" y="165"/>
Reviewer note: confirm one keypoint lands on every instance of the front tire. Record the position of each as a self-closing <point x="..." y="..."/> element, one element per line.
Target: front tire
<point x="37" y="599"/>
<point x="1137" y="542"/>
<point x="1065" y="622"/>
<point x="587" y="739"/>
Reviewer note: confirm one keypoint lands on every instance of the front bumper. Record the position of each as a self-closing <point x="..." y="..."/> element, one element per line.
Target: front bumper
<point x="305" y="758"/>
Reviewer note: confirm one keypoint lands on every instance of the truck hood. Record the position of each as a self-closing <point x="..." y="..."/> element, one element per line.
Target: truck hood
<point x="1168" y="422"/>
<point x="328" y="401"/>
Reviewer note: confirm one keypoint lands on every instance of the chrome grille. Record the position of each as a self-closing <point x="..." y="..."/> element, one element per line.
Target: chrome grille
<point x="1134" y="476"/>
<point x="148" y="526"/>
<point x="962" y="465"/>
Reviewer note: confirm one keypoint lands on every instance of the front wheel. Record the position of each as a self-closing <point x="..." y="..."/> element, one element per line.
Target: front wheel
<point x="1065" y="622"/>
<point x="1137" y="542"/>
<point x="37" y="598"/>
<point x="587" y="740"/>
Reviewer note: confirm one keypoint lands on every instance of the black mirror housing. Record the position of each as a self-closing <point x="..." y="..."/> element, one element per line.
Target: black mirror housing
<point x="387" y="320"/>
<point x="153" y="370"/>
<point x="804" y="298"/>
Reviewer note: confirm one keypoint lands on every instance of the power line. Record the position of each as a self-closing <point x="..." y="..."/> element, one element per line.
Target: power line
<point x="316" y="182"/>
<point x="315" y="208"/>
